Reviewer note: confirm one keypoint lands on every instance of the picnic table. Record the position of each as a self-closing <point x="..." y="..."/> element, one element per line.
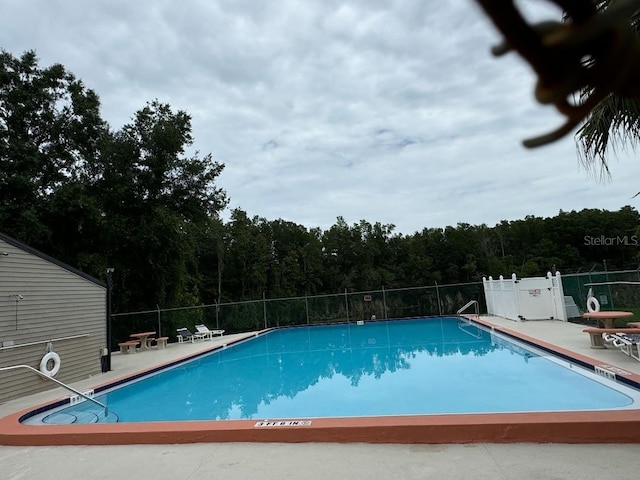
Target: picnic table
<point x="144" y="339"/>
<point x="608" y="319"/>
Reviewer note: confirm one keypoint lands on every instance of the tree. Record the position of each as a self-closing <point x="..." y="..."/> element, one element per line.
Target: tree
<point x="378" y="260"/>
<point x="50" y="130"/>
<point x="210" y="240"/>
<point x="155" y="201"/>
<point x="248" y="256"/>
<point x="296" y="259"/>
<point x="341" y="246"/>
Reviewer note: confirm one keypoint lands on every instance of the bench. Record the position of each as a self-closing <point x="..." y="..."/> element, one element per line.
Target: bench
<point x="633" y="325"/>
<point x="161" y="342"/>
<point x="595" y="334"/>
<point x="129" y="346"/>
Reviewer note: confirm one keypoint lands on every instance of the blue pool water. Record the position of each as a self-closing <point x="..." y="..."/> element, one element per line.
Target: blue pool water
<point x="412" y="367"/>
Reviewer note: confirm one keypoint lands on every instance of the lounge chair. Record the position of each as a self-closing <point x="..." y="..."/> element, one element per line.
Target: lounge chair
<point x="626" y="342"/>
<point x="208" y="333"/>
<point x="185" y="334"/>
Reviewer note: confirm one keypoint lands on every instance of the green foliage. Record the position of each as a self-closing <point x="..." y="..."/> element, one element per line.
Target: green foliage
<point x="50" y="129"/>
<point x="96" y="198"/>
<point x="133" y="200"/>
<point x="155" y="202"/>
<point x="614" y="122"/>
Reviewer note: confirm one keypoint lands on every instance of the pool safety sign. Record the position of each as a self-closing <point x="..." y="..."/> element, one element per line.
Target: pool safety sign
<point x="534" y="292"/>
<point x="284" y="423"/>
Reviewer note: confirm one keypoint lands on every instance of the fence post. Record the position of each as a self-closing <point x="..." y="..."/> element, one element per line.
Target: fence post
<point x="493" y="304"/>
<point x="550" y="277"/>
<point x="346" y="303"/>
<point x="559" y="291"/>
<point x="438" y="297"/>
<point x="264" y="309"/>
<point x="516" y="292"/>
<point x="306" y="307"/>
<point x="159" y="322"/>
<point x="503" y="309"/>
<point x="486" y="295"/>
<point x="384" y="302"/>
<point x="606" y="279"/>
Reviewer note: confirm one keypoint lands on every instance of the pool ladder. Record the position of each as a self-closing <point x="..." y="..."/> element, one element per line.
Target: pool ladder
<point x="465" y="324"/>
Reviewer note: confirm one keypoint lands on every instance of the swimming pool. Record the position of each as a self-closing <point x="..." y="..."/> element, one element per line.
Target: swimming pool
<point x="619" y="424"/>
<point x="404" y="367"/>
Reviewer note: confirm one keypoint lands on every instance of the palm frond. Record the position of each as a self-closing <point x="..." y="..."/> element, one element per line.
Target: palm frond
<point x="614" y="123"/>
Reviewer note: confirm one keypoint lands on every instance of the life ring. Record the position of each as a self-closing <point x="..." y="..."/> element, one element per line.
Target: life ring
<point x="593" y="305"/>
<point x="44" y="364"/>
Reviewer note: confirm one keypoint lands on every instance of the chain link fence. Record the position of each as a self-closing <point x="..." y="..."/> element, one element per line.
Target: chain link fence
<point x="618" y="290"/>
<point x="237" y="317"/>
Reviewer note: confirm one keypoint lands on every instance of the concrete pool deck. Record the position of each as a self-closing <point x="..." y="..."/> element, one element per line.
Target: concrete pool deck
<point x="321" y="460"/>
<point x="567" y="336"/>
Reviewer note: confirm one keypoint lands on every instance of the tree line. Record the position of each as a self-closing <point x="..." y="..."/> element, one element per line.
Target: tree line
<point x="133" y="200"/>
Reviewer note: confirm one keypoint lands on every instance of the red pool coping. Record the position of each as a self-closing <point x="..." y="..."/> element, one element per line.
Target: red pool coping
<point x="602" y="426"/>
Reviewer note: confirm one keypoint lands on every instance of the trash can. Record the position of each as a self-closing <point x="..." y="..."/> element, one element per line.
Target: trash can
<point x="105" y="360"/>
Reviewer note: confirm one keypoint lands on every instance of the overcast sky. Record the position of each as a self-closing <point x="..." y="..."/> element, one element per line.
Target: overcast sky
<point x="390" y="111"/>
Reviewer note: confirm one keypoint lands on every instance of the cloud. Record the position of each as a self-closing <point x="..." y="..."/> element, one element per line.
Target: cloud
<point x="389" y="111"/>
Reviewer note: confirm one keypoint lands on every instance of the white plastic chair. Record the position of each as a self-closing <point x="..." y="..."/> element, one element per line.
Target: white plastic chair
<point x="203" y="329"/>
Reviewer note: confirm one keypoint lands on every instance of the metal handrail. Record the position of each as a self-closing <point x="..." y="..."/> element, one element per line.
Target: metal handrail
<point x="467" y="305"/>
<point x="47" y="377"/>
<point x="9" y="347"/>
<point x="466" y="321"/>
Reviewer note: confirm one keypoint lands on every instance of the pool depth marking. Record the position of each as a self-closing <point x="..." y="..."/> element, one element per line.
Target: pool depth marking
<point x="284" y="423"/>
<point x="611" y="369"/>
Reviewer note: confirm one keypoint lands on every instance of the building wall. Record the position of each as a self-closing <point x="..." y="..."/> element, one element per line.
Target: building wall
<point x="57" y="302"/>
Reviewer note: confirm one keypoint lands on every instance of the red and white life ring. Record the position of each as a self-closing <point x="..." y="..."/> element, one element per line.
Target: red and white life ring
<point x="55" y="367"/>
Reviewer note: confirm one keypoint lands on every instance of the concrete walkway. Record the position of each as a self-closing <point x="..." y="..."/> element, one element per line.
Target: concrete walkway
<point x="323" y="461"/>
<point x="569" y="336"/>
<point x="320" y="461"/>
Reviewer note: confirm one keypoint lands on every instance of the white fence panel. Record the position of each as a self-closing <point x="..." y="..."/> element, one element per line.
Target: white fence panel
<point x="501" y="296"/>
<point x="536" y="298"/>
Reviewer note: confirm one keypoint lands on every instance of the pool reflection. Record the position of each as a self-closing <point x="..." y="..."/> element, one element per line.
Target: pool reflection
<point x="402" y="367"/>
<point x="241" y="382"/>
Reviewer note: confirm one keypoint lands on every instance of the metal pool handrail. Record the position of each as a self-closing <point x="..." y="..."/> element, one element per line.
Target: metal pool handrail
<point x="467" y="305"/>
<point x="63" y="385"/>
<point x="466" y="322"/>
